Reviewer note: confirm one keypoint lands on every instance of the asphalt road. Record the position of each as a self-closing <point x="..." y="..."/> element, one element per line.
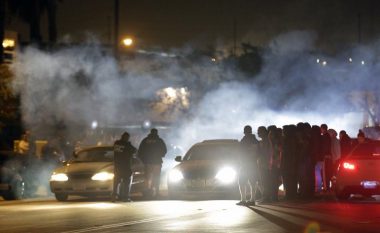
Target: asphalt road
<point x="100" y="215"/>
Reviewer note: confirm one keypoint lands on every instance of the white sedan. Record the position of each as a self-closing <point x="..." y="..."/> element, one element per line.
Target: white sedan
<point x="90" y="173"/>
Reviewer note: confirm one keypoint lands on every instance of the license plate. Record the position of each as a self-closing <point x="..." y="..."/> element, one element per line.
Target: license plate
<point x="197" y="183"/>
<point x="369" y="184"/>
<point x="77" y="187"/>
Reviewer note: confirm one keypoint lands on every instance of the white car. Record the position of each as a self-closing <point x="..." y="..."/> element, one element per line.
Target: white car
<point x="208" y="169"/>
<point x="90" y="173"/>
<point x="359" y="172"/>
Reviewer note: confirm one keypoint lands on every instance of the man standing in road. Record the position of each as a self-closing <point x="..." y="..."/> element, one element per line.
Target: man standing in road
<point x="151" y="151"/>
<point x="248" y="173"/>
<point x="123" y="154"/>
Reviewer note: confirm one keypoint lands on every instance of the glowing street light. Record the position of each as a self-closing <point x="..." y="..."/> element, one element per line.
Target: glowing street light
<point x="128" y="42"/>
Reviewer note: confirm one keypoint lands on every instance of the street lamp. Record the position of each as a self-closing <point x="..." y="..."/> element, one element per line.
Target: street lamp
<point x="128" y="42"/>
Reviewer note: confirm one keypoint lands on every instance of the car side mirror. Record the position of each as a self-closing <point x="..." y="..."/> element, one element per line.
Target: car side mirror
<point x="178" y="158"/>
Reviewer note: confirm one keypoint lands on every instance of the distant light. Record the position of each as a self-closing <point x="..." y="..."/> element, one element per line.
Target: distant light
<point x="94" y="125"/>
<point x="363" y="62"/>
<point x="127" y="41"/>
<point x="324" y="63"/>
<point x="350" y="59"/>
<point x="147" y="124"/>
<point x="8" y="43"/>
<point x="213" y="59"/>
<point x="318" y="60"/>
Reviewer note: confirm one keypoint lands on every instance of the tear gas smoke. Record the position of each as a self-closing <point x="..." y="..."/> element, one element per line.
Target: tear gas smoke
<point x="76" y="86"/>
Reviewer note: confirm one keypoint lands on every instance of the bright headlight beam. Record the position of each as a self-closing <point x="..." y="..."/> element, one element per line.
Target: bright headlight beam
<point x="102" y="176"/>
<point x="175" y="176"/>
<point x="59" y="177"/>
<point x="226" y="175"/>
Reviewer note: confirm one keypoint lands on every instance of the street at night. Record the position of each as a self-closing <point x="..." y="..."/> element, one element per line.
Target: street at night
<point x="190" y="116"/>
<point x="83" y="215"/>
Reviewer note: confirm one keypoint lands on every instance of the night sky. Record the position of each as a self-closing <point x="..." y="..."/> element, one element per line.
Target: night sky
<point x="178" y="23"/>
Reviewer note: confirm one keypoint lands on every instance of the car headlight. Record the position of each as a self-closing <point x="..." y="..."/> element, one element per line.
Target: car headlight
<point x="59" y="177"/>
<point x="103" y="176"/>
<point x="175" y="176"/>
<point x="226" y="175"/>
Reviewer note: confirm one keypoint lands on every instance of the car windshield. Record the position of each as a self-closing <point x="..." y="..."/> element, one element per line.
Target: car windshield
<point x="94" y="155"/>
<point x="212" y="152"/>
<point x="366" y="150"/>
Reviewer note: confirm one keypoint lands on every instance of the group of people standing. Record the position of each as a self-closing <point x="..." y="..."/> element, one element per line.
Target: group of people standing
<point x="151" y="151"/>
<point x="302" y="157"/>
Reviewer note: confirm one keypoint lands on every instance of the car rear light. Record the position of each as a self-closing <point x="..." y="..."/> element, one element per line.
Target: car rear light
<point x="349" y="166"/>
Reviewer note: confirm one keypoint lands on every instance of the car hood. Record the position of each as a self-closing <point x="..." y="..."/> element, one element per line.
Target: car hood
<point x="203" y="169"/>
<point x="89" y="167"/>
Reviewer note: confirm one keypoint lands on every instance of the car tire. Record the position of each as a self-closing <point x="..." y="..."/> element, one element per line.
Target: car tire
<point x="17" y="192"/>
<point x="61" y="196"/>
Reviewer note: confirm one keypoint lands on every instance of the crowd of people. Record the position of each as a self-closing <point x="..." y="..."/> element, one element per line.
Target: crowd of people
<point x="302" y="157"/>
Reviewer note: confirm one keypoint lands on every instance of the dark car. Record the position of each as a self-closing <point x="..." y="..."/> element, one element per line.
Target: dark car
<point x="209" y="169"/>
<point x="358" y="173"/>
<point x="13" y="168"/>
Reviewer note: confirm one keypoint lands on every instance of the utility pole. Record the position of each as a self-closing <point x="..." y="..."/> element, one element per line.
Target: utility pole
<point x="234" y="36"/>
<point x="116" y="28"/>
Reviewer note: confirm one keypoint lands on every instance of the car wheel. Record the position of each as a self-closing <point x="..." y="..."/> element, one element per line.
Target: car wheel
<point x="17" y="192"/>
<point x="61" y="196"/>
<point x="343" y="195"/>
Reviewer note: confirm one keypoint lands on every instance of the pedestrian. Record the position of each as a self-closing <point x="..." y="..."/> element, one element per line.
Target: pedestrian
<point x="264" y="154"/>
<point x="288" y="161"/>
<point x="123" y="176"/>
<point x="275" y="138"/>
<point x="335" y="149"/>
<point x="151" y="151"/>
<point x="326" y="153"/>
<point x="345" y="144"/>
<point x="248" y="172"/>
<point x="317" y="158"/>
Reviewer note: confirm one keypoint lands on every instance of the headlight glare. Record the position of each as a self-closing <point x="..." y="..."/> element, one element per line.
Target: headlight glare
<point x="175" y="176"/>
<point x="102" y="176"/>
<point x="226" y="175"/>
<point x="59" y="177"/>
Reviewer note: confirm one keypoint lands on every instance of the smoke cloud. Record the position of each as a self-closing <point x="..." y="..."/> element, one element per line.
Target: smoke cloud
<point x="75" y="86"/>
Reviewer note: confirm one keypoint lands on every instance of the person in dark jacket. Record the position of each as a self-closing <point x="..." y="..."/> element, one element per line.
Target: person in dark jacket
<point x="151" y="151"/>
<point x="345" y="144"/>
<point x="123" y="154"/>
<point x="327" y="156"/>
<point x="248" y="172"/>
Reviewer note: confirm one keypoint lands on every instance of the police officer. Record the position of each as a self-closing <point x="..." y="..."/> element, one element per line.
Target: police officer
<point x="123" y="154"/>
<point x="248" y="173"/>
<point x="151" y="151"/>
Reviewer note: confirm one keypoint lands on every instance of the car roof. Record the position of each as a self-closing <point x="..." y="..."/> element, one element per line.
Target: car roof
<point x="95" y="147"/>
<point x="217" y="141"/>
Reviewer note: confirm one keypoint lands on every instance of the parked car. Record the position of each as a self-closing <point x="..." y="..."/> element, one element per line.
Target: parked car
<point x="12" y="169"/>
<point x="90" y="173"/>
<point x="209" y="169"/>
<point x="359" y="172"/>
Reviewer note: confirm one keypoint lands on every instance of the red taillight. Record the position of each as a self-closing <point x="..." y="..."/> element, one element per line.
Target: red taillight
<point x="349" y="166"/>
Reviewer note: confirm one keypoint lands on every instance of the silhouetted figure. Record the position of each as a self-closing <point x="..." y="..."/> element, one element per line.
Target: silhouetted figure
<point x="275" y="138"/>
<point x="151" y="151"/>
<point x="289" y="162"/>
<point x="248" y="172"/>
<point x="326" y="151"/>
<point x="345" y="144"/>
<point x="317" y="159"/>
<point x="264" y="154"/>
<point x="123" y="154"/>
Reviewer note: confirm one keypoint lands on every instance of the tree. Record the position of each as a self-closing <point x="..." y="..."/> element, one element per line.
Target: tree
<point x="2" y="26"/>
<point x="31" y="12"/>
